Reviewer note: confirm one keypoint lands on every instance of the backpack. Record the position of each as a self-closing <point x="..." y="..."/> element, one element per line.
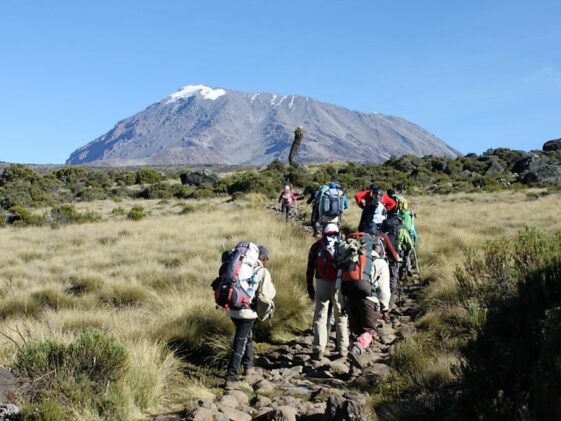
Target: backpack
<point x="354" y="257"/>
<point x="391" y="227"/>
<point x="331" y="202"/>
<point x="234" y="289"/>
<point x="325" y="266"/>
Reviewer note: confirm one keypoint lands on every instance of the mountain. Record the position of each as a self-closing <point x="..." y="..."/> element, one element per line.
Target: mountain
<point x="203" y="125"/>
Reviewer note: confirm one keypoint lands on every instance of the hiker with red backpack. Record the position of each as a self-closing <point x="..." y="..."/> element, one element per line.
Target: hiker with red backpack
<point x="287" y="199"/>
<point x="374" y="204"/>
<point x="321" y="266"/>
<point x="245" y="289"/>
<point x="365" y="284"/>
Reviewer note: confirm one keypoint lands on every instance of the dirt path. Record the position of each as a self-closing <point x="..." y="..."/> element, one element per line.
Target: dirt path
<point x="288" y="385"/>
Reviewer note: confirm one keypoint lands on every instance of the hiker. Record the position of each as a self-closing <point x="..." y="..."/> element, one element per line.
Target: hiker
<point x="328" y="204"/>
<point x="320" y="265"/>
<point x="244" y="318"/>
<point x="374" y="204"/>
<point x="392" y="228"/>
<point x="365" y="285"/>
<point x="408" y="225"/>
<point x="287" y="199"/>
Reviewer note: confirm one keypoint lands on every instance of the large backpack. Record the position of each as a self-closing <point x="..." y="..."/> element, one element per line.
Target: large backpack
<point x="331" y="202"/>
<point x="354" y="257"/>
<point x="234" y="289"/>
<point x="325" y="266"/>
<point x="391" y="226"/>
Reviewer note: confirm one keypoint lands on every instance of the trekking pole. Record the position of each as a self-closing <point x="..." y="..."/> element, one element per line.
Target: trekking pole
<point x="417" y="269"/>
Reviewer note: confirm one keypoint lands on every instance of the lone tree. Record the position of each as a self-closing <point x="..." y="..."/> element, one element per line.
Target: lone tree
<point x="298" y="136"/>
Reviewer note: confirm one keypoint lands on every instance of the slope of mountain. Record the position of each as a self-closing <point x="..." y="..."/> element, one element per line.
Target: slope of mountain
<point x="202" y="125"/>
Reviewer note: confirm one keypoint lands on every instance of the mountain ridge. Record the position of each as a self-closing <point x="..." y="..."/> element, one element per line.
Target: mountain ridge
<point x="202" y="125"/>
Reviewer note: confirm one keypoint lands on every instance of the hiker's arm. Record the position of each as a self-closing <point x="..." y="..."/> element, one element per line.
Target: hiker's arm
<point x="268" y="288"/>
<point x="359" y="197"/>
<point x="311" y="269"/>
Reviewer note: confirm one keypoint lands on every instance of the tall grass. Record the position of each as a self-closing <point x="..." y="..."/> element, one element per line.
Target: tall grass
<point x="147" y="284"/>
<point x="452" y="227"/>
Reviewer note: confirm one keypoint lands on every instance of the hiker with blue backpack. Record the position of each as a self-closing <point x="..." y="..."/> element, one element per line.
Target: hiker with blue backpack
<point x="321" y="267"/>
<point x="328" y="204"/>
<point x="245" y="289"/>
<point x="364" y="282"/>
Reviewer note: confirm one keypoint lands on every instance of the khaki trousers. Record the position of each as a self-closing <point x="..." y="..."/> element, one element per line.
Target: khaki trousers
<point x="325" y="293"/>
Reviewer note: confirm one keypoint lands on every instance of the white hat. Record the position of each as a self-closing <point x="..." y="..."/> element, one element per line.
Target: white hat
<point x="331" y="229"/>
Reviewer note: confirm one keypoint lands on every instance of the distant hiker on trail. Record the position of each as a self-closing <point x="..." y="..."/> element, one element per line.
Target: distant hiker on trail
<point x="287" y="199"/>
<point x="374" y="204"/>
<point x="328" y="204"/>
<point x="320" y="264"/>
<point x="245" y="289"/>
<point x="364" y="280"/>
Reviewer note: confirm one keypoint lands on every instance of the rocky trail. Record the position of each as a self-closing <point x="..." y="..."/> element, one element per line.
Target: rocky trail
<point x="288" y="385"/>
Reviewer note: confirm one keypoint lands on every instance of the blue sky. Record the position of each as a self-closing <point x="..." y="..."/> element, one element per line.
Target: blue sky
<point x="477" y="74"/>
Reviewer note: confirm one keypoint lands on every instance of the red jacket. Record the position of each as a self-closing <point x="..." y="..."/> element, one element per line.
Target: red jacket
<point x="366" y="196"/>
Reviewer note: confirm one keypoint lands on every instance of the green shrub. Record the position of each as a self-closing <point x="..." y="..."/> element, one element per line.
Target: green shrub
<point x="136" y="213"/>
<point x="512" y="364"/>
<point x="67" y="214"/>
<point x="21" y="216"/>
<point x="119" y="211"/>
<point x="147" y="176"/>
<point x="84" y="374"/>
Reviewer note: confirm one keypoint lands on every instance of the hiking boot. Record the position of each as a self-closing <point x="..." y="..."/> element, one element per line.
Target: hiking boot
<point x="317" y="355"/>
<point x="355" y="357"/>
<point x="232" y="384"/>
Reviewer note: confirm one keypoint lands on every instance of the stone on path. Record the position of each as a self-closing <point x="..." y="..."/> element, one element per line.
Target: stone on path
<point x="339" y="408"/>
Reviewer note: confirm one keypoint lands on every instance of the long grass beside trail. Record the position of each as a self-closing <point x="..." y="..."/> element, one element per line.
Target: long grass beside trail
<point x="146" y="284"/>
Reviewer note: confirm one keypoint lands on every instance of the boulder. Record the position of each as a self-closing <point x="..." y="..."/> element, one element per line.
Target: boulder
<point x="495" y="166"/>
<point x="552" y="145"/>
<point x="339" y="408"/>
<point x="530" y="162"/>
<point x="201" y="414"/>
<point x="550" y="174"/>
<point x="203" y="177"/>
<point x="235" y="415"/>
<point x="239" y="396"/>
<point x="282" y="413"/>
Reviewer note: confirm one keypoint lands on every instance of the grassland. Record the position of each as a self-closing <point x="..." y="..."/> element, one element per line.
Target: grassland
<point x="146" y="284"/>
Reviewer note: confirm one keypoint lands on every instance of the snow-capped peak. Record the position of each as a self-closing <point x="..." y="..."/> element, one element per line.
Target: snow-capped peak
<point x="190" y="90"/>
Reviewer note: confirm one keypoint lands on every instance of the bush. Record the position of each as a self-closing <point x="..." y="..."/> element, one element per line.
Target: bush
<point x="512" y="365"/>
<point x="67" y="214"/>
<point x="84" y="374"/>
<point x="147" y="176"/>
<point x="136" y="213"/>
<point x="20" y="216"/>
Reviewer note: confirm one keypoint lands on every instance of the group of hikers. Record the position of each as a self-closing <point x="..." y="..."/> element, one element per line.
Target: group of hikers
<point x="357" y="274"/>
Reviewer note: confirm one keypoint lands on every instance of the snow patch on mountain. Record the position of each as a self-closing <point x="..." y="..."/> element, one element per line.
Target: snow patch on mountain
<point x="190" y="90"/>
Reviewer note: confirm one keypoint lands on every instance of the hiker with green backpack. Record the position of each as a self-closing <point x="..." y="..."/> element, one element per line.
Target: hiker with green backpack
<point x="245" y="290"/>
<point x="364" y="281"/>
